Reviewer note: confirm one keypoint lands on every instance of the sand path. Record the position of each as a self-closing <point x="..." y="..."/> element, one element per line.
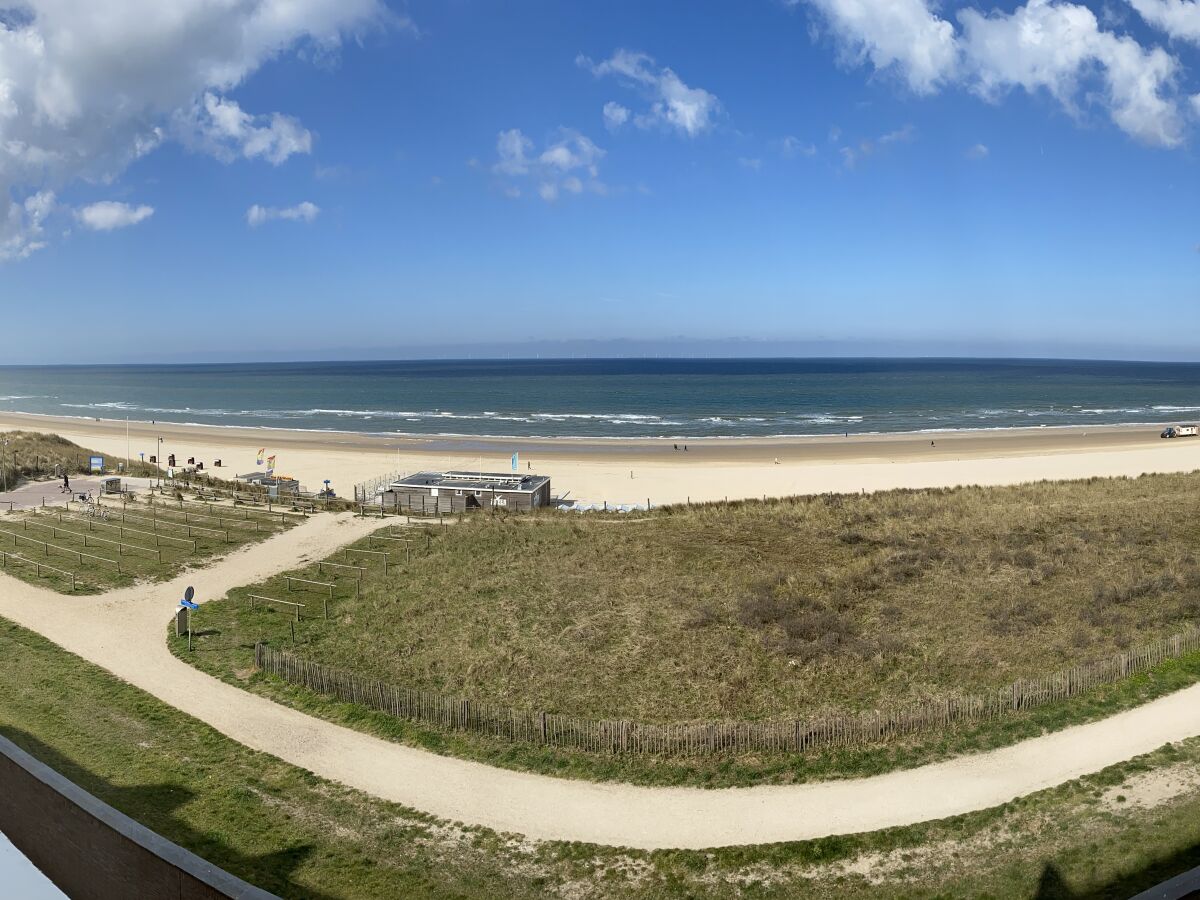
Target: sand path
<point x="124" y="632"/>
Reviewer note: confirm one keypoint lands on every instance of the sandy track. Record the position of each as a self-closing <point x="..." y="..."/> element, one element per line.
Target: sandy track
<point x="124" y="632"/>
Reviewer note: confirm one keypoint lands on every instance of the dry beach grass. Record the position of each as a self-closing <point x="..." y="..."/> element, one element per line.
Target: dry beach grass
<point x="757" y="609"/>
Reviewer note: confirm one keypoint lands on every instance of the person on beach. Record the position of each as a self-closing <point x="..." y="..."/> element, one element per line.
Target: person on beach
<point x="66" y="488"/>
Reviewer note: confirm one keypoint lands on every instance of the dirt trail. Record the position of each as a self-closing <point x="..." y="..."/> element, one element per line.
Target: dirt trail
<point x="124" y="632"/>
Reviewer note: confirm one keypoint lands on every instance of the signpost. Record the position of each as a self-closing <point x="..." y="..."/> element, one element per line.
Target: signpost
<point x="97" y="463"/>
<point x="185" y="612"/>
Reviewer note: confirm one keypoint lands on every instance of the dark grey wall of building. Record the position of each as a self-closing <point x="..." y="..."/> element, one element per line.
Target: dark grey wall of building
<point x="93" y="852"/>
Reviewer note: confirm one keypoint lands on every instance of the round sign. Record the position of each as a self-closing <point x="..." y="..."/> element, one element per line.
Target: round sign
<point x="189" y="594"/>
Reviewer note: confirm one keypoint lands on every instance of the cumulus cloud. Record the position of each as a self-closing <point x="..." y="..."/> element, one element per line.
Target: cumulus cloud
<point x="615" y="115"/>
<point x="1043" y="46"/>
<point x="673" y="104"/>
<point x="1056" y="47"/>
<point x="978" y="151"/>
<point x="22" y="227"/>
<point x="86" y="88"/>
<point x="108" y="215"/>
<point x="219" y="126"/>
<point x="302" y="212"/>
<point x="1178" y="18"/>
<point x="900" y="35"/>
<point x="563" y="165"/>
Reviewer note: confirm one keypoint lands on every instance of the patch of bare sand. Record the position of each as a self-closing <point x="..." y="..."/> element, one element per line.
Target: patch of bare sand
<point x="1146" y="790"/>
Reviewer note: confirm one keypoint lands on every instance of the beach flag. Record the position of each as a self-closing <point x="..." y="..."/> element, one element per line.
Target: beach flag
<point x="260" y="455"/>
<point x="270" y="463"/>
<point x="514" y="461"/>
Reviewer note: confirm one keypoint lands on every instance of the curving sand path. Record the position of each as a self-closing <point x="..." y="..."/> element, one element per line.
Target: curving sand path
<point x="123" y="632"/>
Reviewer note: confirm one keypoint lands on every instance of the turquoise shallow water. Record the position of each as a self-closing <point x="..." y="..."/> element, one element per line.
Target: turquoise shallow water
<point x="620" y="398"/>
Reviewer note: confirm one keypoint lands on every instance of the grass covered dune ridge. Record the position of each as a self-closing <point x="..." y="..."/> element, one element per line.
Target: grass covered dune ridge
<point x="758" y="610"/>
<point x="33" y="454"/>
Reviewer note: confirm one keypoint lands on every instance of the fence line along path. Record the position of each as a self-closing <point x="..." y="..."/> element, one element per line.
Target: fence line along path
<point x="705" y="738"/>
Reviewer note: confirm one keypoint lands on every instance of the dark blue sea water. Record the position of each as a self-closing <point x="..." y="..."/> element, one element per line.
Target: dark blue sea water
<point x="620" y="398"/>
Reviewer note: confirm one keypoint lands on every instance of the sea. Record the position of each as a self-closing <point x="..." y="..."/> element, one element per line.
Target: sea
<point x="620" y="398"/>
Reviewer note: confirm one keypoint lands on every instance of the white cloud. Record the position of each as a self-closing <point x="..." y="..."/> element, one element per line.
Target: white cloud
<point x="852" y="155"/>
<point x="1044" y="45"/>
<point x="108" y="215"/>
<point x="563" y="164"/>
<point x="86" y="88"/>
<point x="1178" y="18"/>
<point x="302" y="212"/>
<point x="978" y="151"/>
<point x="1056" y="47"/>
<point x="219" y="126"/>
<point x="615" y="115"/>
<point x="22" y="228"/>
<point x="673" y="104"/>
<point x="751" y="163"/>
<point x="900" y="35"/>
<point x="790" y="147"/>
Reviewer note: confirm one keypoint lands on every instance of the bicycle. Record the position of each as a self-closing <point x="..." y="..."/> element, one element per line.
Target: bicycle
<point x="91" y="508"/>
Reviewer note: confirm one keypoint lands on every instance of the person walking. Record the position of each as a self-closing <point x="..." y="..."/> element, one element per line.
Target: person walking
<point x="66" y="488"/>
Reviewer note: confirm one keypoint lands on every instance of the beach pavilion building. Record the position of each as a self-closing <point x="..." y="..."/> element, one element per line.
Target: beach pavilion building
<point x="456" y="492"/>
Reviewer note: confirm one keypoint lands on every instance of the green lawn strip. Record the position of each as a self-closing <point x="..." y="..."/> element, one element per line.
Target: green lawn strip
<point x="297" y="835"/>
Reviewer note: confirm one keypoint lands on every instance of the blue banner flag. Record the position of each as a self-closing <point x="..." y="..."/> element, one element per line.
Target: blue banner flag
<point x="514" y="461"/>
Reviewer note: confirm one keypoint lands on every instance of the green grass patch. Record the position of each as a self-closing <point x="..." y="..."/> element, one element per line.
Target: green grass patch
<point x="905" y="595"/>
<point x="300" y="836"/>
<point x="138" y="541"/>
<point x="779" y="609"/>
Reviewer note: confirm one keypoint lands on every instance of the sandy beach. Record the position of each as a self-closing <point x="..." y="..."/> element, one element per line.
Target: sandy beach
<point x="637" y="470"/>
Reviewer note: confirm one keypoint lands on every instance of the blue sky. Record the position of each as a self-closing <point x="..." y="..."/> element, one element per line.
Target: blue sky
<point x="843" y="176"/>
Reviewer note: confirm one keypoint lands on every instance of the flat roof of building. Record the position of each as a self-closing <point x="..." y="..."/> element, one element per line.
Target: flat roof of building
<point x="472" y="481"/>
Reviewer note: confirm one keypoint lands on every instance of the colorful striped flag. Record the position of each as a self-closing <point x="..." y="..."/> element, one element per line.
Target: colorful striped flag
<point x="270" y="463"/>
<point x="260" y="455"/>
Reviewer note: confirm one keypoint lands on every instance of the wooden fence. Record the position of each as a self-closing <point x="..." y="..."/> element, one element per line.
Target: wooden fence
<point x="702" y="738"/>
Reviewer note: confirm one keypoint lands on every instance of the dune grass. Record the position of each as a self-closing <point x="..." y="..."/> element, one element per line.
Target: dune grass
<point x="784" y="608"/>
<point x="445" y="618"/>
<point x="1106" y="835"/>
<point x="32" y="454"/>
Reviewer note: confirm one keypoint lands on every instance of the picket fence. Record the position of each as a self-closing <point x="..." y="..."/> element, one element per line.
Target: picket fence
<point x="702" y="738"/>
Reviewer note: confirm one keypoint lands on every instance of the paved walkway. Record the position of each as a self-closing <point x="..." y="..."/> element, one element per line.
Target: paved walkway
<point x="124" y="632"/>
<point x="32" y="493"/>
